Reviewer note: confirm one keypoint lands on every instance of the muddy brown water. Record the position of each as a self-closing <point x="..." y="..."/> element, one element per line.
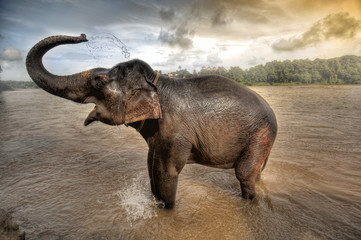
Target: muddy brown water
<point x="61" y="180"/>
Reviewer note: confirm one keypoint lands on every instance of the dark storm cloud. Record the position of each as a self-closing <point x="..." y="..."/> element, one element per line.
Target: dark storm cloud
<point x="167" y="14"/>
<point x="182" y="22"/>
<point x="227" y="19"/>
<point x="341" y="26"/>
<point x="181" y="37"/>
<point x="220" y="17"/>
<point x="252" y="11"/>
<point x="180" y="31"/>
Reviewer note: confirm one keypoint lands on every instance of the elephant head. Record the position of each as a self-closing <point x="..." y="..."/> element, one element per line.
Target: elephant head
<point x="122" y="94"/>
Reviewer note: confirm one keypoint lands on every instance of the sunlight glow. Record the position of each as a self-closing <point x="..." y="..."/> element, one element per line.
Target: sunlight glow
<point x="205" y="44"/>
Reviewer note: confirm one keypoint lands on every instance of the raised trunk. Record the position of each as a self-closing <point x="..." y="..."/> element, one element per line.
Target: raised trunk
<point x="74" y="87"/>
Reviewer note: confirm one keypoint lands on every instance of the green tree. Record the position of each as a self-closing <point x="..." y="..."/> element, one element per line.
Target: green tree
<point x="182" y="73"/>
<point x="346" y="69"/>
<point x="236" y="73"/>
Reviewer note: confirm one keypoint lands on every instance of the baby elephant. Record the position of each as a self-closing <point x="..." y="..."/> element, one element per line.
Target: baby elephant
<point x="210" y="120"/>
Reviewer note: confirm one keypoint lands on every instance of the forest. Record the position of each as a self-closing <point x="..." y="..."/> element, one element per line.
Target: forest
<point x="340" y="70"/>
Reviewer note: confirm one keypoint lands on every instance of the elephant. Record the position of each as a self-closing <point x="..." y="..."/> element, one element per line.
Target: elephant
<point x="209" y="120"/>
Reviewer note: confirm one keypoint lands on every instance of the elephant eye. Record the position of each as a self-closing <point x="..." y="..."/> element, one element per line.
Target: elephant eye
<point x="99" y="85"/>
<point x="100" y="81"/>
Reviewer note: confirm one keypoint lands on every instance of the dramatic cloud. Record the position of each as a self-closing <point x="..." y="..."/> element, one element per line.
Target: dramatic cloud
<point x="181" y="37"/>
<point x="340" y="26"/>
<point x="10" y="54"/>
<point x="220" y="17"/>
<point x="172" y="33"/>
<point x="167" y="14"/>
<point x="180" y="26"/>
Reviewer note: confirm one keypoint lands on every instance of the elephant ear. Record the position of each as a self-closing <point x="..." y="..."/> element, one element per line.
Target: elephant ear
<point x="142" y="104"/>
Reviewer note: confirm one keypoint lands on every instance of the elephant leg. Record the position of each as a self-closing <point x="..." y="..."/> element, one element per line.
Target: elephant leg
<point x="163" y="183"/>
<point x="166" y="185"/>
<point x="168" y="161"/>
<point x="150" y="172"/>
<point x="248" y="166"/>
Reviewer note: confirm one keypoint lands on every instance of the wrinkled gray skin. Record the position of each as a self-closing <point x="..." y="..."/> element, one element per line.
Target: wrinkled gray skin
<point x="209" y="120"/>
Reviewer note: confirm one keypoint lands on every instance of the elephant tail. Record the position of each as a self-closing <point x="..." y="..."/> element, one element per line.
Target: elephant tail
<point x="264" y="163"/>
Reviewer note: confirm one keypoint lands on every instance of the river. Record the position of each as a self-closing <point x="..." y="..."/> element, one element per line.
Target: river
<point x="61" y="180"/>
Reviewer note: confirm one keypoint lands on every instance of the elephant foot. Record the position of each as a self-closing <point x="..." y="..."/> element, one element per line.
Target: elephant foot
<point x="248" y="191"/>
<point x="169" y="205"/>
<point x="163" y="205"/>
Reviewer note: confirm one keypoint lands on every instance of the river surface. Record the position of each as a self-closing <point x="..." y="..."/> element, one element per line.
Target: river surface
<point x="61" y="180"/>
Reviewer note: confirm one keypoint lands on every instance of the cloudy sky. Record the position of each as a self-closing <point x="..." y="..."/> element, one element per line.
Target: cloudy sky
<point x="169" y="34"/>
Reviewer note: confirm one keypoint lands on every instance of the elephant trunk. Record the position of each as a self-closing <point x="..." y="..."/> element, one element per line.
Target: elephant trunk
<point x="75" y="87"/>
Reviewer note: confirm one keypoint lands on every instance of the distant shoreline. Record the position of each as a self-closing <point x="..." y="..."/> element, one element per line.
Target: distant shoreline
<point x="345" y="70"/>
<point x="16" y="85"/>
<point x="13" y="85"/>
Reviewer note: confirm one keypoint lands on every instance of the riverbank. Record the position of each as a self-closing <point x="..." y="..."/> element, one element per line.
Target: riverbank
<point x="11" y="85"/>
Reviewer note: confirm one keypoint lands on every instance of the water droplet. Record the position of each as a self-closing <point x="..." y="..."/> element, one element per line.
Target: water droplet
<point x="107" y="46"/>
<point x="137" y="200"/>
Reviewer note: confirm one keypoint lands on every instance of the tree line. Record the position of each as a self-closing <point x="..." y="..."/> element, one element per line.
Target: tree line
<point x="11" y="85"/>
<point x="340" y="70"/>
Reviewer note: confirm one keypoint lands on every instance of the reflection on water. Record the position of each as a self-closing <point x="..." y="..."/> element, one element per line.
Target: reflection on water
<point x="60" y="179"/>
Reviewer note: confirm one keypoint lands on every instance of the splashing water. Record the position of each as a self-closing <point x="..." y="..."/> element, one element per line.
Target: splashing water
<point x="107" y="46"/>
<point x="137" y="200"/>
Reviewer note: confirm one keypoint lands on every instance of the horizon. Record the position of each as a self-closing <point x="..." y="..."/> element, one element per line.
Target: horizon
<point x="172" y="34"/>
<point x="210" y="67"/>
